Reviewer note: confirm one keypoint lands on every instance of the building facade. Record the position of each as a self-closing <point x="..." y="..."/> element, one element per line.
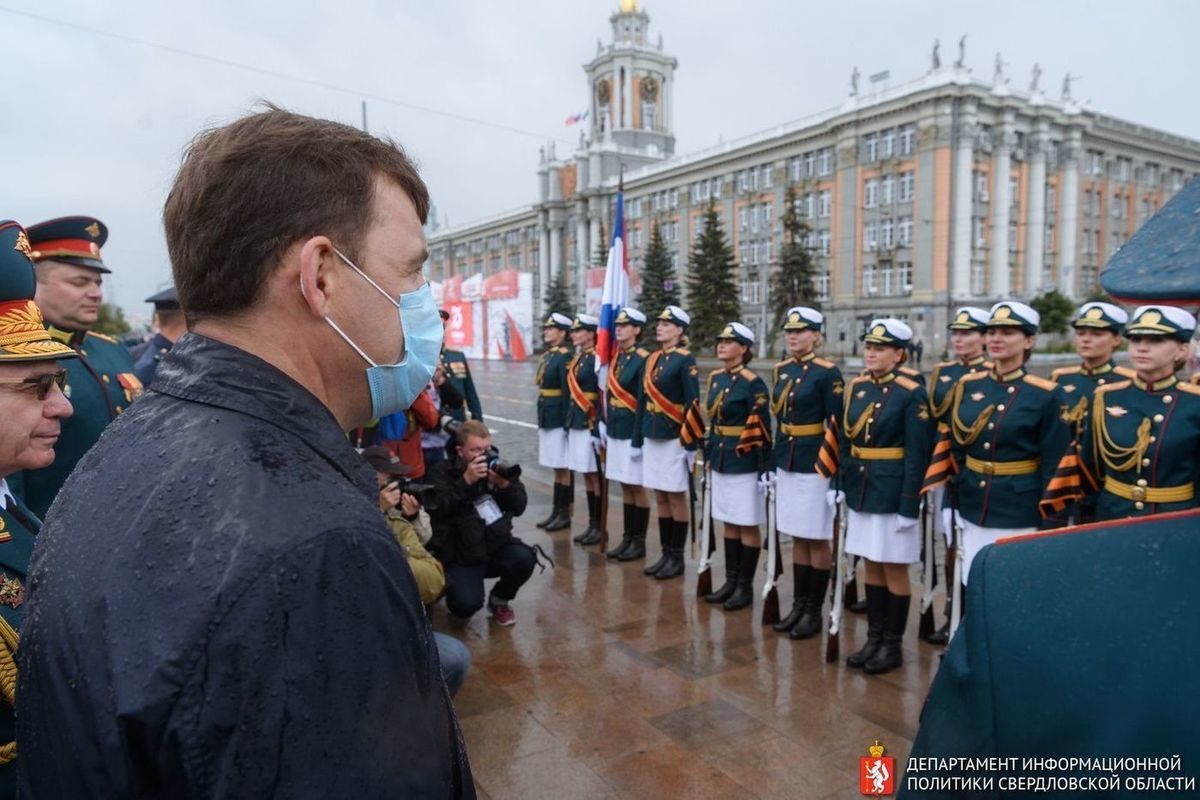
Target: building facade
<point x="943" y="191"/>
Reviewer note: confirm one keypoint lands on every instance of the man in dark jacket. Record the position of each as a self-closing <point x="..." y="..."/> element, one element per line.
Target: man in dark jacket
<point x="217" y="607"/>
<point x="472" y="528"/>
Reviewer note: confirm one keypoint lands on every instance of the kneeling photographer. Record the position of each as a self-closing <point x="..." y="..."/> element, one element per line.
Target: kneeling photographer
<point x="477" y="497"/>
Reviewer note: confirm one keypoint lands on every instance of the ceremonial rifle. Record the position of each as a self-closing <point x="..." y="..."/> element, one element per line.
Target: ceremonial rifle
<point x="704" y="571"/>
<point x="770" y="612"/>
<point x="839" y="583"/>
<point x="956" y="538"/>
<point x="928" y="568"/>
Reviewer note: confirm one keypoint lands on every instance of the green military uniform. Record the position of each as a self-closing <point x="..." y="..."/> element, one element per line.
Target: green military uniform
<point x="25" y="340"/>
<point x="100" y="385"/>
<point x="886" y="439"/>
<point x="731" y="396"/>
<point x="458" y="373"/>
<point x="674" y="373"/>
<point x="1141" y="443"/>
<point x="551" y="380"/>
<point x="627" y="372"/>
<point x="806" y="392"/>
<point x="944" y="378"/>
<point x="1079" y="384"/>
<point x="583" y="369"/>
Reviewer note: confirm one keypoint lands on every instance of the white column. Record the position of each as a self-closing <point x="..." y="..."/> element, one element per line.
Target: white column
<point x="543" y="264"/>
<point x="629" y="93"/>
<point x="668" y="90"/>
<point x="964" y="159"/>
<point x="594" y="230"/>
<point x="1068" y="223"/>
<point x="1001" y="201"/>
<point x="582" y="241"/>
<point x="1035" y="237"/>
<point x="556" y="265"/>
<point x="614" y="101"/>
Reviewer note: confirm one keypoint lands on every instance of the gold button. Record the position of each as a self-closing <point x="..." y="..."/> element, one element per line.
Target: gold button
<point x="987" y="445"/>
<point x="1142" y="482"/>
<point x="1139" y="506"/>
<point x="862" y="469"/>
<point x="1011" y="390"/>
<point x="1100" y="381"/>
<point x="1145" y="462"/>
<point x="1158" y="417"/>
<point x="879" y="405"/>
<point x="119" y="409"/>
<point x="982" y="484"/>
<point x="1153" y="439"/>
<point x="991" y="425"/>
<point x="1000" y="407"/>
<point x="105" y="378"/>
<point x="1166" y="398"/>
<point x="867" y="438"/>
<point x="885" y="390"/>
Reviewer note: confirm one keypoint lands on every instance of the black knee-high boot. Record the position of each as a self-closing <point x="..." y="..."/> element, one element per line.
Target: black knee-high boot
<point x="674" y="566"/>
<point x="743" y="595"/>
<point x="809" y="624"/>
<point x="562" y="519"/>
<point x="890" y="656"/>
<point x="666" y="526"/>
<point x="733" y="555"/>
<point x="877" y="608"/>
<point x="591" y="534"/>
<point x="637" y="544"/>
<point x="627" y="535"/>
<point x="800" y="577"/>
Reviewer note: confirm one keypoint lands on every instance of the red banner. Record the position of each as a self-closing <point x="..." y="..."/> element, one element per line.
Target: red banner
<point x="460" y="330"/>
<point x="501" y="286"/>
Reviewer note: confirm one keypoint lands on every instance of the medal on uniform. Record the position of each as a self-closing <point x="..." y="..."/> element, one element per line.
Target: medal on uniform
<point x="12" y="593"/>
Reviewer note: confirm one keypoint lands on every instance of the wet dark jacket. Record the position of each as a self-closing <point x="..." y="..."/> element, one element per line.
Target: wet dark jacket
<point x="459" y="535"/>
<point x="218" y="609"/>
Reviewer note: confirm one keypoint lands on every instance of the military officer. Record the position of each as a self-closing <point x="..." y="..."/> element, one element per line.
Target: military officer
<point x="806" y="392"/>
<point x="168" y="318"/>
<point x="670" y="423"/>
<point x="886" y="438"/>
<point x="458" y="374"/>
<point x="1098" y="328"/>
<point x="1009" y="429"/>
<point x="582" y="420"/>
<point x="1141" y="439"/>
<point x="33" y="407"/>
<point x="737" y="448"/>
<point x="623" y="423"/>
<point x="101" y="382"/>
<point x="551" y="381"/>
<point x="966" y="341"/>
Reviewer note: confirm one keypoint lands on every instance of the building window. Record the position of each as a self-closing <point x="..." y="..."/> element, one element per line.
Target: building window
<point x="1151" y="173"/>
<point x="674" y="260"/>
<point x="743" y="218"/>
<point x="1124" y="169"/>
<point x="904" y="282"/>
<point x="870" y="193"/>
<point x="754" y="217"/>
<point x="794" y="167"/>
<point x="977" y="233"/>
<point x="826" y="202"/>
<point x="1051" y="198"/>
<point x="1094" y="162"/>
<point x="872" y="147"/>
<point x="822" y="285"/>
<point x="886" y="287"/>
<point x="870" y="240"/>
<point x="1012" y="236"/>
<point x="908" y="139"/>
<point x="1053" y="152"/>
<point x="978" y="274"/>
<point x="1087" y="278"/>
<point x="825" y="162"/>
<point x="823" y="242"/>
<point x="981" y="187"/>
<point x="1048" y="244"/>
<point x="1117" y="206"/>
<point x="766" y="176"/>
<point x="886" y="234"/>
<point x="674" y="198"/>
<point x="1014" y="198"/>
<point x="870" y="288"/>
<point x="810" y="164"/>
<point x="905" y="232"/>
<point x="888" y="143"/>
<point x="648" y="111"/>
<point x="906" y="186"/>
<point x="888" y="186"/>
<point x="810" y="205"/>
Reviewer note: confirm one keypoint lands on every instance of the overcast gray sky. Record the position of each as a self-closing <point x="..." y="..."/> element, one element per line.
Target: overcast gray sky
<point x="95" y="124"/>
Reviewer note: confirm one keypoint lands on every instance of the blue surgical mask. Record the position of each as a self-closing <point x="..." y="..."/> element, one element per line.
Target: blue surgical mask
<point x="394" y="387"/>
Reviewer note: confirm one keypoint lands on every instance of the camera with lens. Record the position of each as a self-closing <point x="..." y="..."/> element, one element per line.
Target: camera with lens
<point x="425" y="493"/>
<point x="505" y="469"/>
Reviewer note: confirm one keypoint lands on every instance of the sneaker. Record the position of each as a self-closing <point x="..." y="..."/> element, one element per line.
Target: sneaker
<point x="502" y="613"/>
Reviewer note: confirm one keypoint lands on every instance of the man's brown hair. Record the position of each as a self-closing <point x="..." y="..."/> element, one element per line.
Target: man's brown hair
<point x="249" y="190"/>
<point x="471" y="427"/>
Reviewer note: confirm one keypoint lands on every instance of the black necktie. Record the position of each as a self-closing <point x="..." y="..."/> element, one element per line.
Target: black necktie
<point x="12" y="508"/>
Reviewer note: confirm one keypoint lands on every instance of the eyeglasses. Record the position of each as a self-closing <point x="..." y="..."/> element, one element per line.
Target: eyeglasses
<point x="42" y="382"/>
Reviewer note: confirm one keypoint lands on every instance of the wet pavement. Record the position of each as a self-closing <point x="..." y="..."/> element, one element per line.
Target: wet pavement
<point x="612" y="684"/>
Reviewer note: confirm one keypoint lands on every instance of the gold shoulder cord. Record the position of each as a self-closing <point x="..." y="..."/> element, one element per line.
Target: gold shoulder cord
<point x="781" y="399"/>
<point x="1076" y="414"/>
<point x="541" y="370"/>
<point x="711" y="410"/>
<point x="8" y="680"/>
<point x="1110" y="451"/>
<point x="864" y="419"/>
<point x="939" y="409"/>
<point x="965" y="434"/>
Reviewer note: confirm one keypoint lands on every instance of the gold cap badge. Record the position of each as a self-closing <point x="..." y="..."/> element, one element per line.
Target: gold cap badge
<point x="93" y="230"/>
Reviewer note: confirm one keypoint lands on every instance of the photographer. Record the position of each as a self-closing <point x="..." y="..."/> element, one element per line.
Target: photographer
<point x="472" y="525"/>
<point x="403" y="512"/>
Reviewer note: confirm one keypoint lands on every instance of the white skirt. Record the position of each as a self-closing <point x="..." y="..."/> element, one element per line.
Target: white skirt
<point x="874" y="537"/>
<point x="621" y="465"/>
<point x="552" y="448"/>
<point x="664" y="468"/>
<point x="975" y="538"/>
<point x="581" y="456"/>
<point x="736" y="500"/>
<point x="800" y="507"/>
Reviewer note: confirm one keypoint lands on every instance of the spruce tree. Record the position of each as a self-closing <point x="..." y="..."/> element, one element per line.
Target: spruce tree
<point x="600" y="254"/>
<point x="660" y="287"/>
<point x="712" y="283"/>
<point x="558" y="298"/>
<point x="792" y="283"/>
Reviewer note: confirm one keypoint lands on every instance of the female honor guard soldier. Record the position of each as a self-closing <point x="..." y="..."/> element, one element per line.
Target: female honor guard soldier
<point x="583" y="436"/>
<point x="966" y="341"/>
<point x="672" y="389"/>
<point x="623" y="423"/>
<point x="551" y="381"/>
<point x="1141" y="444"/>
<point x="1098" y="329"/>
<point x="886" y="440"/>
<point x="738" y="413"/>
<point x="1008" y="429"/>
<point x="807" y="391"/>
<point x="32" y="402"/>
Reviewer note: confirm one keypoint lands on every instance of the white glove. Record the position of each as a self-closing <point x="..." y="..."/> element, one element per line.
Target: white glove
<point x="834" y="496"/>
<point x="603" y="430"/>
<point x="765" y="481"/>
<point x="689" y="458"/>
<point x="905" y="524"/>
<point x="635" y="454"/>
<point x="597" y="443"/>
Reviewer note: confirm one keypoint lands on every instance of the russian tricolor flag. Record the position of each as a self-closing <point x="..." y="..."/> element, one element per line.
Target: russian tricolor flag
<point x="615" y="296"/>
